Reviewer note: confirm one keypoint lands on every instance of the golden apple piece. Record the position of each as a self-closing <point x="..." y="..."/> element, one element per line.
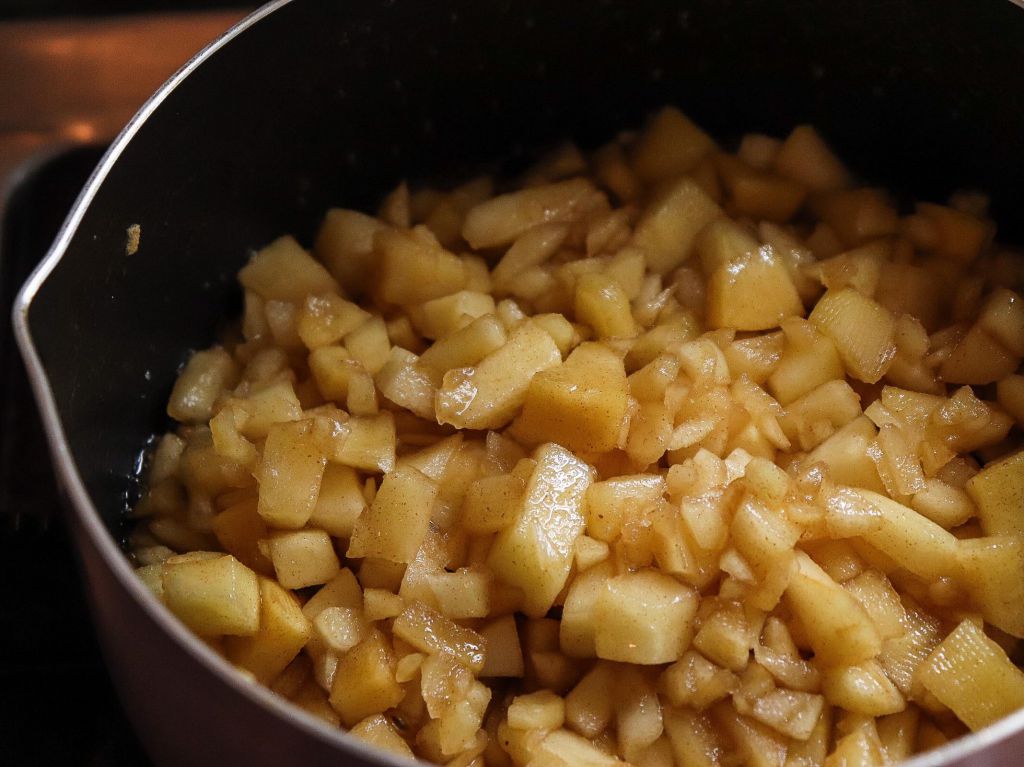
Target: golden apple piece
<point x="415" y="269"/>
<point x="671" y="222"/>
<point x="502" y="219"/>
<point x="749" y="288"/>
<point x="536" y="552"/>
<point x="364" y="682"/>
<point x="993" y="572"/>
<point x="289" y="475"/>
<point x="837" y="626"/>
<point x="395" y="524"/>
<point x="206" y="376"/>
<point x="861" y="329"/>
<point x="282" y="634"/>
<point x="671" y="144"/>
<point x="971" y="674"/>
<point x="805" y="157"/>
<point x="580" y="404"/>
<point x="428" y="631"/>
<point x="488" y="395"/>
<point x="213" y="594"/>
<point x="913" y="540"/>
<point x="644" y="618"/>
<point x="378" y="731"/>
<point x="285" y="271"/>
<point x="345" y="245"/>
<point x="863" y="689"/>
<point x="303" y="558"/>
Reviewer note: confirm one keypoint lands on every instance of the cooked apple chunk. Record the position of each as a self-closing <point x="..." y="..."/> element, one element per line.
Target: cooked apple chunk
<point x="535" y="553"/>
<point x="580" y="404"/>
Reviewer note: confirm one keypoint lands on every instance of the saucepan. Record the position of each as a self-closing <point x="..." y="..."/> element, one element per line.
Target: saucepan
<point x="306" y="105"/>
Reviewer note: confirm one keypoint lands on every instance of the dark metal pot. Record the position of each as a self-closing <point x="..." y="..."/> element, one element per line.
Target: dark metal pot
<point x="310" y="104"/>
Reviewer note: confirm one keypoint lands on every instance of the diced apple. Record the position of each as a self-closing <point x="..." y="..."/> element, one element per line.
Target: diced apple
<point x="214" y="595"/>
<point x="861" y="329"/>
<point x="671" y="223"/>
<point x="500" y="220"/>
<point x="284" y="271"/>
<point x="290" y="474"/>
<point x="394" y="525"/>
<point x="998" y="492"/>
<point x="838" y="628"/>
<point x="805" y="157"/>
<point x="644" y="618"/>
<point x="580" y="404"/>
<point x="487" y="396"/>
<point x="972" y="675"/>
<point x="993" y="572"/>
<point x="670" y="145"/>
<point x="207" y="375"/>
<point x="345" y="245"/>
<point x="535" y="553"/>
<point x="749" y="287"/>
<point x="303" y="558"/>
<point x="283" y="632"/>
<point x="364" y="682"/>
<point x="413" y="270"/>
<point x="911" y="539"/>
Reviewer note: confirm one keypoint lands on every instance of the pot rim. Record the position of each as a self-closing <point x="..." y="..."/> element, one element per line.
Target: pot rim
<point x="958" y="751"/>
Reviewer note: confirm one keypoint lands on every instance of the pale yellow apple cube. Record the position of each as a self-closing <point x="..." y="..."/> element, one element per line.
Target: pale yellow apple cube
<point x="998" y="492"/>
<point x="394" y="526"/>
<point x="504" y="651"/>
<point x="326" y="319"/>
<point x="284" y="271"/>
<point x="861" y="329"/>
<point x="602" y="304"/>
<point x="370" y="444"/>
<point x="671" y="222"/>
<point x="644" y="618"/>
<point x="378" y="731"/>
<point x="972" y="675"/>
<point x="580" y="404"/>
<point x="345" y="245"/>
<point x="805" y="157"/>
<point x="206" y="377"/>
<point x="283" y="632"/>
<point x="535" y="553"/>
<point x="445" y="315"/>
<point x="364" y="682"/>
<point x="413" y="270"/>
<point x="340" y="628"/>
<point x="502" y="219"/>
<point x="488" y="395"/>
<point x="340" y="501"/>
<point x="214" y="595"/>
<point x="862" y="689"/>
<point x="289" y="475"/>
<point x="428" y="631"/>
<point x="993" y="572"/>
<point x="751" y="288"/>
<point x="671" y="144"/>
<point x="541" y="710"/>
<point x="492" y="503"/>
<point x="837" y="626"/>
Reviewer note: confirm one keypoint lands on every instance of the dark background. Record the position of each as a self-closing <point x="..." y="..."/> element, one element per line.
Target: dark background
<point x="30" y="9"/>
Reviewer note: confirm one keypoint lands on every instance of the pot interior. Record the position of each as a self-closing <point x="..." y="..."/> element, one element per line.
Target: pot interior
<point x="317" y="106"/>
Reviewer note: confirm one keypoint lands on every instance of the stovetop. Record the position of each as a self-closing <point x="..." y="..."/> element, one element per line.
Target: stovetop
<point x="67" y="85"/>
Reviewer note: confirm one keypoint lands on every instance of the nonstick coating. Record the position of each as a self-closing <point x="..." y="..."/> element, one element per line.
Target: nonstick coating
<point x="321" y="104"/>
